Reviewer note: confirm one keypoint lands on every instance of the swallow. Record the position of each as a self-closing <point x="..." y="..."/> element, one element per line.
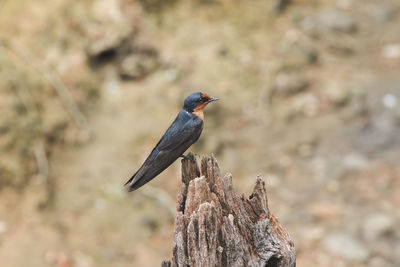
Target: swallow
<point x="184" y="131"/>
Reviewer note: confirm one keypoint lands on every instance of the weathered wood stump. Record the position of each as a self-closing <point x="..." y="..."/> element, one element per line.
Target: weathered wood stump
<point x="216" y="227"/>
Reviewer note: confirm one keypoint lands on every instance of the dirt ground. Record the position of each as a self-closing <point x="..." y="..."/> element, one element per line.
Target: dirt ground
<point x="309" y="97"/>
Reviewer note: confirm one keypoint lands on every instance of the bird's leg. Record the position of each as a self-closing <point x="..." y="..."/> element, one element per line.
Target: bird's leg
<point x="190" y="156"/>
<point x="185" y="157"/>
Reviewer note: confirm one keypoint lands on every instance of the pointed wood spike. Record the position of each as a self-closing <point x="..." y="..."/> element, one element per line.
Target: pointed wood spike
<point x="215" y="226"/>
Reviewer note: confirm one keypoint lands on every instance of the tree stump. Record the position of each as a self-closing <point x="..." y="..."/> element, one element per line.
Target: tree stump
<point x="216" y="227"/>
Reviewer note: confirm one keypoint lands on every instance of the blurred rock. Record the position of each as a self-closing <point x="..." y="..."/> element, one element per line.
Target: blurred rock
<point x="331" y="170"/>
<point x="357" y="104"/>
<point x="138" y="65"/>
<point x="150" y="222"/>
<point x="295" y="57"/>
<point x="336" y="93"/>
<point x="355" y="162"/>
<point x="114" y="35"/>
<point x="389" y="101"/>
<point x="111" y="81"/>
<point x="337" y="21"/>
<point x="382" y="13"/>
<point x="108" y="28"/>
<point x="346" y="246"/>
<point x="305" y="103"/>
<point x="171" y="74"/>
<point x="330" y="20"/>
<point x="340" y="47"/>
<point x="288" y="84"/>
<point x="278" y="6"/>
<point x="381" y="132"/>
<point x="377" y="225"/>
<point x="391" y="51"/>
<point x="222" y="50"/>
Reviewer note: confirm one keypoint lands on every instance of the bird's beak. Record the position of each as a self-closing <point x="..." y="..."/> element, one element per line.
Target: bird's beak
<point x="211" y="100"/>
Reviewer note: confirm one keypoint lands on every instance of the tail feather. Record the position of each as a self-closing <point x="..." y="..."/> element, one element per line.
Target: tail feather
<point x="137" y="180"/>
<point x="135" y="184"/>
<point x="131" y="180"/>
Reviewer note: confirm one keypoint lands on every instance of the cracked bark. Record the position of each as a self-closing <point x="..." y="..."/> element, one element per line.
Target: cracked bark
<point x="216" y="227"/>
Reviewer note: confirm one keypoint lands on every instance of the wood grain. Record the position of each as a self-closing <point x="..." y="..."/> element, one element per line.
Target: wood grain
<point x="216" y="227"/>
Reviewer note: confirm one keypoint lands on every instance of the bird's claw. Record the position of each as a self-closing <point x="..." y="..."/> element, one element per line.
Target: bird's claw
<point x="185" y="157"/>
<point x="190" y="157"/>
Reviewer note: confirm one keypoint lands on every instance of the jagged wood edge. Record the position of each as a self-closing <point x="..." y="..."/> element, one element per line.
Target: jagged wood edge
<point x="204" y="181"/>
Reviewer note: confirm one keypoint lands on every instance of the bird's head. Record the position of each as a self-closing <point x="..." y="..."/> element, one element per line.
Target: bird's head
<point x="197" y="101"/>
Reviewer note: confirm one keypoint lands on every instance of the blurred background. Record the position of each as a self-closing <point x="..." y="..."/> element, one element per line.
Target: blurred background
<point x="309" y="97"/>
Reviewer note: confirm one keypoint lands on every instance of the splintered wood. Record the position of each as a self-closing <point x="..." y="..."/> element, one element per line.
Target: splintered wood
<point x="216" y="227"/>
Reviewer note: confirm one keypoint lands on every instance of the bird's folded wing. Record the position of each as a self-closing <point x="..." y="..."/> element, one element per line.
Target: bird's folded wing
<point x="174" y="142"/>
<point x="173" y="138"/>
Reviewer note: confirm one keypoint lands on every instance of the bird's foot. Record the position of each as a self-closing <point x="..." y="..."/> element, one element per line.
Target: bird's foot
<point x="185" y="157"/>
<point x="190" y="156"/>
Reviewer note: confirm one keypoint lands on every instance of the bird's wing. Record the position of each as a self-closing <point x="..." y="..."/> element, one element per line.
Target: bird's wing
<point x="175" y="137"/>
<point x="176" y="140"/>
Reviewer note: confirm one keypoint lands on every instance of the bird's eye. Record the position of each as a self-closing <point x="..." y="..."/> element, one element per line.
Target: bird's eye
<point x="204" y="99"/>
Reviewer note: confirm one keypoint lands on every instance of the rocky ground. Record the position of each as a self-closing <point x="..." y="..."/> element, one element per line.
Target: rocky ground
<point x="309" y="98"/>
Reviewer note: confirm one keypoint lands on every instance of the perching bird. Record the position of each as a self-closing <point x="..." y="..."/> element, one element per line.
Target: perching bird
<point x="183" y="132"/>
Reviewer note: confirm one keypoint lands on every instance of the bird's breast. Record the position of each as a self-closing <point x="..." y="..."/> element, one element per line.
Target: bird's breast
<point x="199" y="113"/>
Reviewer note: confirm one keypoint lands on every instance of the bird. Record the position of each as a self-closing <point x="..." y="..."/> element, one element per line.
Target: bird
<point x="184" y="131"/>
